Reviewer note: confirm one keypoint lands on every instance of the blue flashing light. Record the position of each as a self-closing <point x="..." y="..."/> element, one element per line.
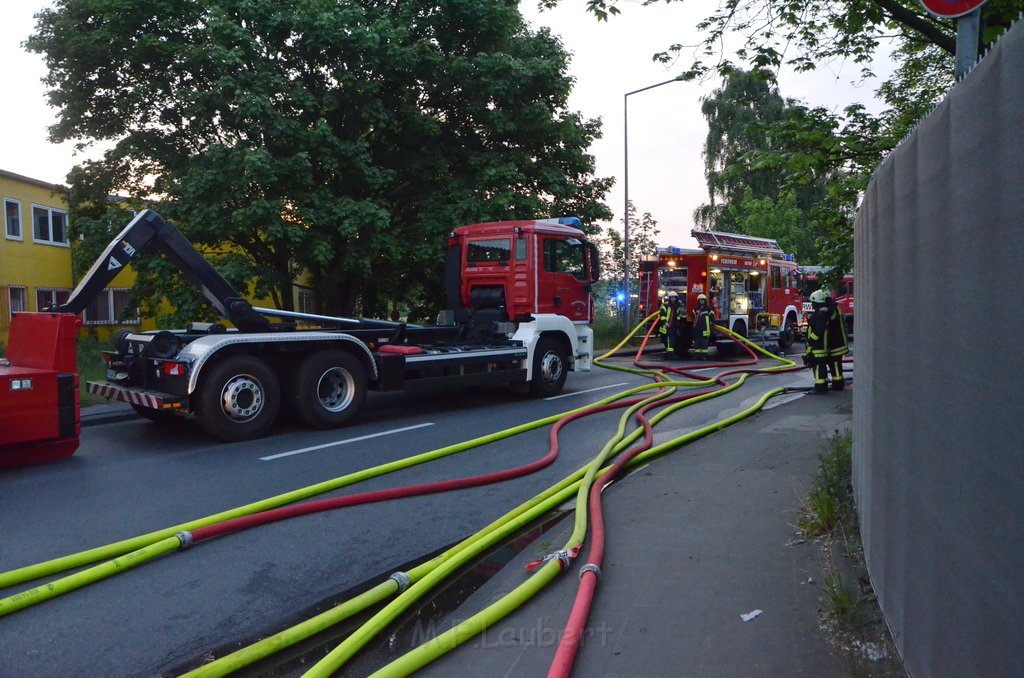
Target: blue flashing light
<point x="570" y="221"/>
<point x="620" y="297"/>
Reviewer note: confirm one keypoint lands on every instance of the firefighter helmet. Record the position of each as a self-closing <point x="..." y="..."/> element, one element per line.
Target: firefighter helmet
<point x="672" y="295"/>
<point x="819" y="296"/>
<point x="702" y="297"/>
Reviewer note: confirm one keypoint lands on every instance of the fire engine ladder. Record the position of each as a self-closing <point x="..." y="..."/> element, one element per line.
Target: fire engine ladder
<point x="647" y="278"/>
<point x="738" y="243"/>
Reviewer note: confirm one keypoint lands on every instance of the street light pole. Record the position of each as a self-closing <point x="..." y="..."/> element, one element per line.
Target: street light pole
<point x="625" y="191"/>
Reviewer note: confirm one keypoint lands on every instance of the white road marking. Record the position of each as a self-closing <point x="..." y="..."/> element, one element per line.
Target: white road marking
<point x="589" y="390"/>
<point x="344" y="442"/>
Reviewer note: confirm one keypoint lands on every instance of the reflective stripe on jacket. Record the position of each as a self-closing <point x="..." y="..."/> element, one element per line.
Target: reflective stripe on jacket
<point x="836" y="340"/>
<point x="664" y="313"/>
<point x="702" y="320"/>
<point x="817" y="333"/>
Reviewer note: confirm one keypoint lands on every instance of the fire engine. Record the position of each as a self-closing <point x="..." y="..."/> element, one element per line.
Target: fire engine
<point x="518" y="309"/>
<point x="842" y="294"/>
<point x="750" y="283"/>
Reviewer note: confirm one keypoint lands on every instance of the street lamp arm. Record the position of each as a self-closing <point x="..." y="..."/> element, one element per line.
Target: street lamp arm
<point x="625" y="190"/>
<point x="644" y="89"/>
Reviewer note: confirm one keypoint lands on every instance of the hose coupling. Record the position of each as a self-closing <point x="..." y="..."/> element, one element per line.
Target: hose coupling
<point x="591" y="567"/>
<point x="184" y="539"/>
<point x="402" y="579"/>
<point x="564" y="558"/>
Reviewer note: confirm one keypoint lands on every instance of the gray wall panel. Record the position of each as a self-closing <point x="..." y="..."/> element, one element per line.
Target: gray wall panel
<point x="938" y="404"/>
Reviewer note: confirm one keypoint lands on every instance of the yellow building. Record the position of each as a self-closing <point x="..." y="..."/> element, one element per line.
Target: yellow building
<point x="35" y="257"/>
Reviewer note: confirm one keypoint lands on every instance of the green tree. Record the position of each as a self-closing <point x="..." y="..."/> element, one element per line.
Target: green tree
<point x="737" y="114"/>
<point x="836" y="149"/>
<point x="340" y="138"/>
<point x="643" y="243"/>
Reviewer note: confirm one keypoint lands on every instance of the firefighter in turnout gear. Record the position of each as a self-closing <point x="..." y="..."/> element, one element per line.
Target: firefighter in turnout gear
<point x="816" y="355"/>
<point x="702" y="319"/>
<point x="837" y="342"/>
<point x="671" y="319"/>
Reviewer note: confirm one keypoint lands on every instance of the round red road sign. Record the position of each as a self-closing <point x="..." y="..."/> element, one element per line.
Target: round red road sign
<point x="951" y="9"/>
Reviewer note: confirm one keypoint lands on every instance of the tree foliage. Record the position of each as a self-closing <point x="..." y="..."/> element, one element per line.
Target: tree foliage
<point x="781" y="170"/>
<point x="643" y="242"/>
<point x="832" y="152"/>
<point x="340" y="138"/>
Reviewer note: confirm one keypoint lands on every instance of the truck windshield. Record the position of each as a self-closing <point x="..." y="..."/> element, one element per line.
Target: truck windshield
<point x="489" y="251"/>
<point x="562" y="256"/>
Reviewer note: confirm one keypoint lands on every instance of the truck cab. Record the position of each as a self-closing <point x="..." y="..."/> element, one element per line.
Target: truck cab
<point x="523" y="268"/>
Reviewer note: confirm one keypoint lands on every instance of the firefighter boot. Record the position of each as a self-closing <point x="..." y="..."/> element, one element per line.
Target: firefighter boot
<point x="838" y="382"/>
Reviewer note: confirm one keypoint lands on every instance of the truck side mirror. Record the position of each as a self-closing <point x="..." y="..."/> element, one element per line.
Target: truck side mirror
<point x="594" y="272"/>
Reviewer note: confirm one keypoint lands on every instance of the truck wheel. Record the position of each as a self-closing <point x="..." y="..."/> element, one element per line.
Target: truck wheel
<point x="328" y="388"/>
<point x="238" y="399"/>
<point x="550" y="367"/>
<point x="788" y="332"/>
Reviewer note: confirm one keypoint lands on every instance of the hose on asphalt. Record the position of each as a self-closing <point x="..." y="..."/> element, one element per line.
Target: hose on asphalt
<point x="484" y="539"/>
<point x="444" y="643"/>
<point x="144" y="548"/>
<point x="167" y="540"/>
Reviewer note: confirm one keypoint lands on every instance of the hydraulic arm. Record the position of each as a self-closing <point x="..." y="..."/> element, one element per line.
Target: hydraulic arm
<point x="149" y="229"/>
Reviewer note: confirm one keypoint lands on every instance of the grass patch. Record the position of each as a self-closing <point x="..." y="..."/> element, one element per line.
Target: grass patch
<point x="829" y="513"/>
<point x="830" y="504"/>
<point x="609" y="331"/>
<point x="849" y="608"/>
<point x="90" y="368"/>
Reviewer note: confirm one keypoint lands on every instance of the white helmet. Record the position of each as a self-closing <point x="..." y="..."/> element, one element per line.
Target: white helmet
<point x="702" y="297"/>
<point x="672" y="295"/>
<point x="819" y="296"/>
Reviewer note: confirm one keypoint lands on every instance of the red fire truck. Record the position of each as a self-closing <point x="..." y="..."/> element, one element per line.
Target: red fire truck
<point x="749" y="281"/>
<point x="842" y="294"/>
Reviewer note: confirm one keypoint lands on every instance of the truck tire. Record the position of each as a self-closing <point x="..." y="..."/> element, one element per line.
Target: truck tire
<point x="550" y="367"/>
<point x="788" y="333"/>
<point x="727" y="346"/>
<point x="328" y="389"/>
<point x="238" y="399"/>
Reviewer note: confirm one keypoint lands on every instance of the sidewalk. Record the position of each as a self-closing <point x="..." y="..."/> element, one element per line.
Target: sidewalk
<point x="695" y="540"/>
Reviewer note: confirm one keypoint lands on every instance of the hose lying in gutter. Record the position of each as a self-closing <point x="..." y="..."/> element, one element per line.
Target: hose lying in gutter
<point x="471" y="548"/>
<point x="590" y="573"/>
<point x="468" y="550"/>
<point x="449" y="640"/>
<point x="184" y="538"/>
<point x="559" y="560"/>
<point x="387" y="588"/>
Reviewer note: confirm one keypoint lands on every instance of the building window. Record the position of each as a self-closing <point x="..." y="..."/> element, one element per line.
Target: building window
<point x="12" y="215"/>
<point x="46" y="298"/>
<point x="111" y="307"/>
<point x="18" y="300"/>
<point x="307" y="304"/>
<point x="12" y="300"/>
<point x="49" y="225"/>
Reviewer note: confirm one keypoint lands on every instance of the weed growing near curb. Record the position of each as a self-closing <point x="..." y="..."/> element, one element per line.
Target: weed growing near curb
<point x="830" y="504"/>
<point x="850" y="610"/>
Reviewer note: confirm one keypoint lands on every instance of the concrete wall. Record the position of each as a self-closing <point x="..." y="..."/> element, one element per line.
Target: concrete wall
<point x="939" y="396"/>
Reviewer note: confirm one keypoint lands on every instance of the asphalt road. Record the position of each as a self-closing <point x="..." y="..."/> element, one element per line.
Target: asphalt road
<point x="133" y="477"/>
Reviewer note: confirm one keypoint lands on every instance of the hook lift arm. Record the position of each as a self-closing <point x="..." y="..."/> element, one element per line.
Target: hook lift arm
<point x="150" y="229"/>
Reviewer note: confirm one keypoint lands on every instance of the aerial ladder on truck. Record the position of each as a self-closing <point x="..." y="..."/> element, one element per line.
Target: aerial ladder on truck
<point x="518" y="310"/>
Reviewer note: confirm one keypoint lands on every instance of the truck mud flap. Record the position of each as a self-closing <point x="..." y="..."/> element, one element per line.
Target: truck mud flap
<point x="137" y="396"/>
